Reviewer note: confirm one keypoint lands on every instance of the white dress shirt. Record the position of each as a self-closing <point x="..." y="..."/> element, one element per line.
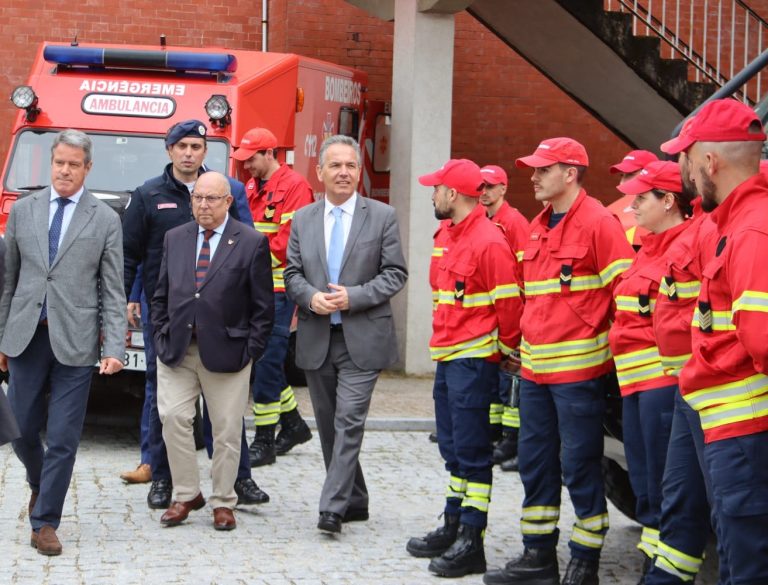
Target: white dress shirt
<point x="69" y="210"/>
<point x="213" y="242"/>
<point x="348" y="210"/>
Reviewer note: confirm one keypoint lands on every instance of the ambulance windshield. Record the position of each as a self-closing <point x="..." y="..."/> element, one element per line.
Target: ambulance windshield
<point x="120" y="162"/>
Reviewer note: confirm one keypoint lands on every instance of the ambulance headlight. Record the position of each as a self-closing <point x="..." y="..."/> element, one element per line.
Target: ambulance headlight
<point x="23" y="97"/>
<point x="218" y="109"/>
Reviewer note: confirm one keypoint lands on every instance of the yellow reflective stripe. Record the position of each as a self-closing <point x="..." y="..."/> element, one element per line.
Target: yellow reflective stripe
<point x="275" y="261"/>
<point x="678" y="559"/>
<point x="445" y="297"/>
<point x="730" y="393"/>
<point x="266" y="227"/>
<point x="632" y="304"/>
<point x="511" y="417"/>
<point x="668" y="567"/>
<point x="541" y="512"/>
<point x="593" y="523"/>
<point x="610" y="272"/>
<point x="495" y="413"/>
<point x="505" y="291"/>
<point x="437" y="252"/>
<point x="266" y="413"/>
<point x="672" y="364"/>
<point x="286" y="217"/>
<point x="684" y="290"/>
<point x="537" y="527"/>
<point x="721" y="320"/>
<point x="648" y="541"/>
<point x="505" y="349"/>
<point x="478" y="495"/>
<point x="727" y="414"/>
<point x="587" y="538"/>
<point x="563" y="348"/>
<point x="456" y="487"/>
<point x="483" y="346"/>
<point x="640" y="374"/>
<point x="553" y="286"/>
<point x="581" y="361"/>
<point x="476" y="300"/>
<point x="751" y="300"/>
<point x="640" y="357"/>
<point x="287" y="400"/>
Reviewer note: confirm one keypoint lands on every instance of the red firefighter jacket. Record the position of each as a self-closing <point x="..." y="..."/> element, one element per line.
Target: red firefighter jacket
<point x="631" y="338"/>
<point x="477" y="313"/>
<point x="514" y="226"/>
<point x="273" y="207"/>
<point x="725" y="380"/>
<point x="569" y="273"/>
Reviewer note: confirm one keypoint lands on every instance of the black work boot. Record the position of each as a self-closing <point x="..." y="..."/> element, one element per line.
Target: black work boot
<point x="262" y="449"/>
<point x="581" y="572"/>
<point x="506" y="448"/>
<point x="293" y="431"/>
<point x="465" y="556"/>
<point x="436" y="542"/>
<point x="536" y="566"/>
<point x="511" y="464"/>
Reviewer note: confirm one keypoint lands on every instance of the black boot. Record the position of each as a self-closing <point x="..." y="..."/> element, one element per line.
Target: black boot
<point x="293" y="431"/>
<point x="506" y="448"/>
<point x="647" y="563"/>
<point x="436" y="542"/>
<point x="511" y="464"/>
<point x="536" y="566"/>
<point x="581" y="572"/>
<point x="262" y="449"/>
<point x="466" y="555"/>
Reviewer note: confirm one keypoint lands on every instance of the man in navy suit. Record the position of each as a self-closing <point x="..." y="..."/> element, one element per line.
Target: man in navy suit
<point x="212" y="314"/>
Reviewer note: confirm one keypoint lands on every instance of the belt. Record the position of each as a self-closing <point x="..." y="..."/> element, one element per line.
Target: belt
<point x="337" y="327"/>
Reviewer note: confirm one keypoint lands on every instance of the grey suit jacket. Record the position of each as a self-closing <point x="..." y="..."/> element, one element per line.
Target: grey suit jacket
<point x="84" y="285"/>
<point x="373" y="269"/>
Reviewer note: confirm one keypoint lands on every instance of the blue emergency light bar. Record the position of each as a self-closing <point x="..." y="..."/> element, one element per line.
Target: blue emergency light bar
<point x="140" y="59"/>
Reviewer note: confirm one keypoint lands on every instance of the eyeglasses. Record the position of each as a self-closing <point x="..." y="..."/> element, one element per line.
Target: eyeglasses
<point x="210" y="199"/>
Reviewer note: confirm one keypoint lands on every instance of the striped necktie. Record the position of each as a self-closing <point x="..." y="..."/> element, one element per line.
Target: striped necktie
<point x="203" y="259"/>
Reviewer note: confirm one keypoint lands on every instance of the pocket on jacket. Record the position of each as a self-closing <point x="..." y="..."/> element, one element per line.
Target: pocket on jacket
<point x="237" y="332"/>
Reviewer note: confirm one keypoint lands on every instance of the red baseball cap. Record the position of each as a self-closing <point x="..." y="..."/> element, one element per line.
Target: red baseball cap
<point x="460" y="174"/>
<point x="555" y="150"/>
<point x="725" y="120"/>
<point x="493" y="175"/>
<point x="661" y="174"/>
<point x="634" y="161"/>
<point x="255" y="140"/>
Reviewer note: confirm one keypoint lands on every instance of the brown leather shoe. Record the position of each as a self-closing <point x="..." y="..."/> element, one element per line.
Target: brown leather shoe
<point x="223" y="519"/>
<point x="142" y="474"/>
<point x="179" y="511"/>
<point x="46" y="542"/>
<point x="32" y="500"/>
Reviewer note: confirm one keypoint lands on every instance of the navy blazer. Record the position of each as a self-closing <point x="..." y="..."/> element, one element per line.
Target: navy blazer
<point x="232" y="312"/>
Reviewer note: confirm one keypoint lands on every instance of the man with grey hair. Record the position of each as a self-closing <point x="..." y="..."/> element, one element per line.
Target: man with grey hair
<point x="345" y="263"/>
<point x="55" y="306"/>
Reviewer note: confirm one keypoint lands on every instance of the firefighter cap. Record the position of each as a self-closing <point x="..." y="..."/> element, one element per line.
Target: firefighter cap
<point x="661" y="174"/>
<point x="634" y="161"/>
<point x="725" y="120"/>
<point x="183" y="129"/>
<point x="553" y="151"/>
<point x="255" y="140"/>
<point x="493" y="175"/>
<point x="460" y="174"/>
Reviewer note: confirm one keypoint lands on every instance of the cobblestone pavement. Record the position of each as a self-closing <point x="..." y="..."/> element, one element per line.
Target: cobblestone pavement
<point x="111" y="537"/>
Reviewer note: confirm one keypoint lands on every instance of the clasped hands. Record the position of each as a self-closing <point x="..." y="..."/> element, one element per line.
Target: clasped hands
<point x="330" y="302"/>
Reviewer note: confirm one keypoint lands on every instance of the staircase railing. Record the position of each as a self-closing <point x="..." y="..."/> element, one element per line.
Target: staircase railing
<point x="718" y="38"/>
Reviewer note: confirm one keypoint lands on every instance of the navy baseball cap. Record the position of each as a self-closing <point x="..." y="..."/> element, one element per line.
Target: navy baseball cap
<point x="183" y="129"/>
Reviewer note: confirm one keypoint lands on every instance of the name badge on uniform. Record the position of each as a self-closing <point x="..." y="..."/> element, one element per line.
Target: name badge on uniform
<point x="167" y="206"/>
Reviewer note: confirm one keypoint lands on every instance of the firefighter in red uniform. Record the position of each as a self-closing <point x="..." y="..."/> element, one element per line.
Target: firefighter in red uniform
<point x="726" y="378"/>
<point x="575" y="251"/>
<point x="275" y="192"/>
<point x="475" y="323"/>
<point x="648" y="392"/>
<point x="504" y="410"/>
<point x="632" y="163"/>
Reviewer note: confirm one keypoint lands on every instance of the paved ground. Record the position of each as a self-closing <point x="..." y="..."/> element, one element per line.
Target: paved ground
<point x="111" y="537"/>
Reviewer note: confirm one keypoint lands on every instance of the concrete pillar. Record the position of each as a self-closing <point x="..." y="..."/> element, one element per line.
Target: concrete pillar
<point x="421" y="143"/>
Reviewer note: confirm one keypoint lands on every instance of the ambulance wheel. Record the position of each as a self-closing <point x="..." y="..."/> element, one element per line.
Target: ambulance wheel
<point x="617" y="487"/>
<point x="294" y="375"/>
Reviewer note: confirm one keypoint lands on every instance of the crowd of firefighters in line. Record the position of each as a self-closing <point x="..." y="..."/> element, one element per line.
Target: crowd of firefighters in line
<point x="680" y="324"/>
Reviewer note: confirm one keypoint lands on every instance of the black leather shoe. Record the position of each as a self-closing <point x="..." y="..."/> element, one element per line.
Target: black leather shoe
<point x="438" y="541"/>
<point x="355" y="515"/>
<point x="293" y="431"/>
<point x="581" y="572"/>
<point x="536" y="566"/>
<point x="329" y="522"/>
<point x="248" y="493"/>
<point x="159" y="496"/>
<point x="465" y="556"/>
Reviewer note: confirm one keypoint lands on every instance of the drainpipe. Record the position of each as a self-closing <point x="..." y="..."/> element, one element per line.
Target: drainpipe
<point x="264" y="25"/>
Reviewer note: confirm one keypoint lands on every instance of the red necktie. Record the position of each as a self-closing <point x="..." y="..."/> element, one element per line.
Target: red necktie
<point x="203" y="259"/>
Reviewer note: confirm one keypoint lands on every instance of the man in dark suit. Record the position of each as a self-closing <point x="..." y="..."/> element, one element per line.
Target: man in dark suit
<point x="212" y="313"/>
<point x="345" y="262"/>
<point x="63" y="290"/>
<point x="9" y="430"/>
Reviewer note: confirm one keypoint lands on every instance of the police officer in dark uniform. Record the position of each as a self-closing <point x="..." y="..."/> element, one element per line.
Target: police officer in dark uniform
<point x="158" y="205"/>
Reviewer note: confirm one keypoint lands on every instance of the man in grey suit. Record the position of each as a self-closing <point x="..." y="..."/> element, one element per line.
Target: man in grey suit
<point x="9" y="430"/>
<point x="63" y="288"/>
<point x="344" y="264"/>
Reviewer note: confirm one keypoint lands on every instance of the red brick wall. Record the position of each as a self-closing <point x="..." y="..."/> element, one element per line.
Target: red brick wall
<point x="502" y="106"/>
